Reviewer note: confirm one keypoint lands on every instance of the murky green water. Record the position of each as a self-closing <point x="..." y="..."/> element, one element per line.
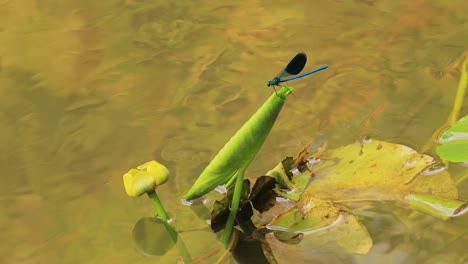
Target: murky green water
<point x="90" y="89"/>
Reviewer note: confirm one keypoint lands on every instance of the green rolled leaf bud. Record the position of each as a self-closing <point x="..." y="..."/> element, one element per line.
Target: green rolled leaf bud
<point x="145" y="178"/>
<point x="242" y="148"/>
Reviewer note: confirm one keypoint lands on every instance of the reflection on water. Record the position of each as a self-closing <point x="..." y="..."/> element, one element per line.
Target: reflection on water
<point x="92" y="88"/>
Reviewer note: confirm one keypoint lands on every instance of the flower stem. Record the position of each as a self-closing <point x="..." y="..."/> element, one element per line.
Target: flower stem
<point x="158" y="207"/>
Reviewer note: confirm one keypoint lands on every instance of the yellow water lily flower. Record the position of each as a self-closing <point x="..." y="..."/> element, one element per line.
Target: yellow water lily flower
<point x="145" y="178"/>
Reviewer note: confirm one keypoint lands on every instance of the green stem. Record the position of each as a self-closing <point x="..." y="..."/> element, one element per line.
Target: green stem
<point x="230" y="182"/>
<point x="234" y="208"/>
<point x="158" y="206"/>
<point x="180" y="244"/>
<point x="457" y="105"/>
<point x="461" y="179"/>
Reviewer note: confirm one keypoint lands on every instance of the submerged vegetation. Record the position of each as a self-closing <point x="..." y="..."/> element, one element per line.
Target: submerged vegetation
<point x="313" y="202"/>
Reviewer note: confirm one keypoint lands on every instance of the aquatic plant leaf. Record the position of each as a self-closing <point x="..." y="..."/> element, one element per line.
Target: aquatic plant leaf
<point x="344" y="236"/>
<point x="369" y="171"/>
<point x="460" y="126"/>
<point x="307" y="215"/>
<point x="221" y="208"/>
<point x="151" y="236"/>
<point x="281" y="174"/>
<point x="374" y="171"/>
<point x="291" y="238"/>
<point x="249" y="251"/>
<point x="454" y="142"/>
<point x="436" y="206"/>
<point x="219" y="215"/>
<point x="263" y="196"/>
<point x="241" y="149"/>
<point x="290" y="185"/>
<point x="317" y="221"/>
<point x="456" y="151"/>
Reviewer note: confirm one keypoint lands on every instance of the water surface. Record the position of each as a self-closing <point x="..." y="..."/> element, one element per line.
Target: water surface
<point x="90" y="89"/>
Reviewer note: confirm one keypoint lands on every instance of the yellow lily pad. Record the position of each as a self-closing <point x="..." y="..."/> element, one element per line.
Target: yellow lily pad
<point x="344" y="235"/>
<point x="376" y="171"/>
<point x="311" y="214"/>
<point x="368" y="171"/>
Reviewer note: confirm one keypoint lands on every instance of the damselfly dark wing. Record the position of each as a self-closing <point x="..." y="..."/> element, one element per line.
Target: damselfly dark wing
<point x="293" y="68"/>
<point x="296" y="65"/>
